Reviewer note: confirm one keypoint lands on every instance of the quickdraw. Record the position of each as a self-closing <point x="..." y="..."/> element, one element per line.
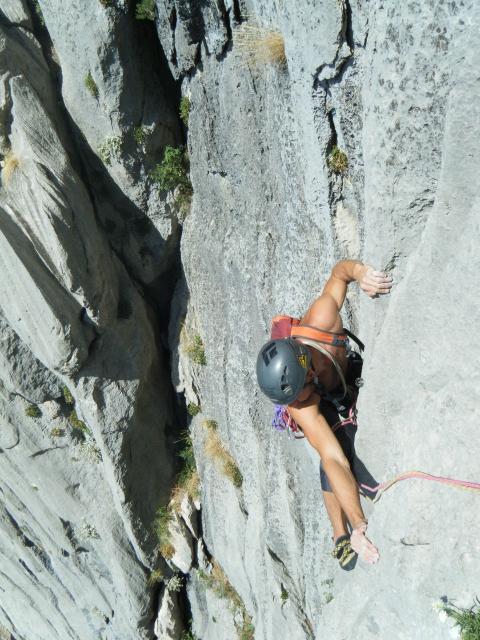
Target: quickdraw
<point x="282" y="421"/>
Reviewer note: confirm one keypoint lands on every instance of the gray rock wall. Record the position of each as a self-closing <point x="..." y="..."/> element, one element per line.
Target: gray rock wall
<point x="90" y="277"/>
<point x="78" y="531"/>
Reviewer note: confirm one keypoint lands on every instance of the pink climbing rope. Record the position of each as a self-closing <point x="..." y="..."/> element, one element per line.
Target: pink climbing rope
<point x="381" y="488"/>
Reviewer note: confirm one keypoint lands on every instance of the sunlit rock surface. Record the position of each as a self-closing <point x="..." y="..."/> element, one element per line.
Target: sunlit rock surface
<point x="105" y="287"/>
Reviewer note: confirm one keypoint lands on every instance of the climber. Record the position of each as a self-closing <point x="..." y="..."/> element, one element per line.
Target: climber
<point x="309" y="367"/>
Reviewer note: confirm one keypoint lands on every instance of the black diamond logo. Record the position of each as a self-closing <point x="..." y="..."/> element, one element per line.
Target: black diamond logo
<point x="269" y="352"/>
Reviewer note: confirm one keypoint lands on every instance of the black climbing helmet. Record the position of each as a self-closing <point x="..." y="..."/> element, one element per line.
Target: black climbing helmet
<point x="282" y="366"/>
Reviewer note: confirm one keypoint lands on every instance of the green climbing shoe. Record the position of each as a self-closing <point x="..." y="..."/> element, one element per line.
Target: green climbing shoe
<point x="343" y="552"/>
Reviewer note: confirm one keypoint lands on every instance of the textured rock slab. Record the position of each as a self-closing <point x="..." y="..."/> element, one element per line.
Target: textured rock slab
<point x="113" y="88"/>
<point x="417" y="406"/>
<point x="276" y="222"/>
<point x="16" y="11"/>
<point x="168" y="624"/>
<point x="80" y="534"/>
<point x="48" y="228"/>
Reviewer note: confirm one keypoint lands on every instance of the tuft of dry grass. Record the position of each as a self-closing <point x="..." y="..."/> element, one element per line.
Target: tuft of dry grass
<point x="211" y="425"/>
<point x="188" y="481"/>
<point x="5" y="633"/>
<point x="216" y="451"/>
<point x="190" y="486"/>
<point x="338" y="160"/>
<point x="10" y="165"/>
<point x="219" y="583"/>
<point x="261" y="46"/>
<point x="192" y="345"/>
<point x="155" y="577"/>
<point x="167" y="550"/>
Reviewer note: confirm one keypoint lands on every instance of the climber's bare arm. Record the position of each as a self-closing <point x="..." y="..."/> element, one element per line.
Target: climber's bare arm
<point x="324" y="311"/>
<point x="319" y="434"/>
<point x="336" y="466"/>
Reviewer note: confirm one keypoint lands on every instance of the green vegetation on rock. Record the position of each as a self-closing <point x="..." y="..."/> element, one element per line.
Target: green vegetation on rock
<point x="172" y="172"/>
<point x="145" y="10"/>
<point x="67" y="395"/>
<point x="91" y="85"/>
<point x="110" y="149"/>
<point x="140" y="134"/>
<point x="161" y="525"/>
<point x="79" y="428"/>
<point x="193" y="409"/>
<point x="185" y="110"/>
<point x="188" y="481"/>
<point x="38" y="11"/>
<point x="467" y="619"/>
<point x="337" y="160"/>
<point x="217" y="581"/>
<point x="232" y="471"/>
<point x="196" y="350"/>
<point x="32" y="411"/>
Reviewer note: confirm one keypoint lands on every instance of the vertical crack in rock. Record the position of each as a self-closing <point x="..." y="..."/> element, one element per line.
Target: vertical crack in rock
<point x="27" y="542"/>
<point x="237" y="12"/>
<point x="14" y="634"/>
<point x="322" y="89"/>
<point x="328" y="91"/>
<point x="348" y="27"/>
<point x="173" y="26"/>
<point x="298" y="601"/>
<point x="225" y="16"/>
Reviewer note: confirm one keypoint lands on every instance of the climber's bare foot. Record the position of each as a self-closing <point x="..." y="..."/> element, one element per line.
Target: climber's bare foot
<point x="362" y="545"/>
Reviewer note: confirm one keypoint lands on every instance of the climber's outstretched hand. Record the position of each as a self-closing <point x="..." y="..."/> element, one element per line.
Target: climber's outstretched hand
<point x="373" y="282"/>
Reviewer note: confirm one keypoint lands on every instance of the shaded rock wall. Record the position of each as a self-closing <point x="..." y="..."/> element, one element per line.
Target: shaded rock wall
<point x="91" y="277"/>
<point x="78" y="531"/>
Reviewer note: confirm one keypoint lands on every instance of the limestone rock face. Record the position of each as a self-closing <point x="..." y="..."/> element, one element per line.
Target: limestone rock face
<point x="16" y="11"/>
<point x="123" y="115"/>
<point x="116" y="311"/>
<point x="85" y="401"/>
<point x="383" y="83"/>
<point x="168" y="624"/>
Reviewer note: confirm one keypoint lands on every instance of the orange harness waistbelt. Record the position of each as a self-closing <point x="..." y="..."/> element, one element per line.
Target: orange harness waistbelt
<point x="326" y="337"/>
